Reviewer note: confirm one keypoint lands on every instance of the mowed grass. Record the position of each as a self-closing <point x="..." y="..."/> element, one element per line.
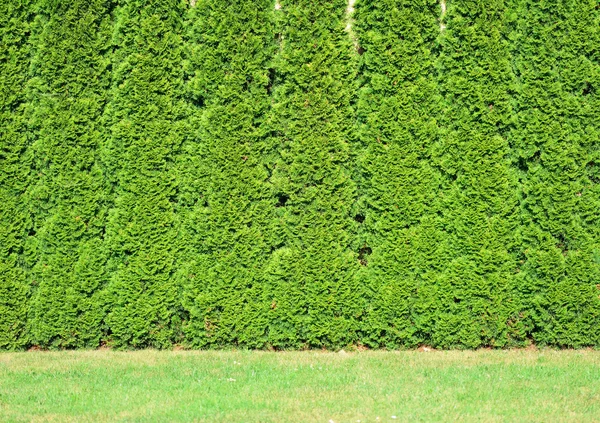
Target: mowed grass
<point x="238" y="386"/>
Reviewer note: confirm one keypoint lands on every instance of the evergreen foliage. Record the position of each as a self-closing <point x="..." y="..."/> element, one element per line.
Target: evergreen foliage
<point x="15" y="176"/>
<point x="68" y="90"/>
<point x="398" y="112"/>
<point x="232" y="205"/>
<point x="470" y="302"/>
<point x="316" y="300"/>
<point x="147" y="120"/>
<point x="288" y="174"/>
<point x="555" y="146"/>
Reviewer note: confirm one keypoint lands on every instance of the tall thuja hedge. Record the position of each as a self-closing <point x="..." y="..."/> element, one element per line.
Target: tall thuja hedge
<point x="229" y="226"/>
<point x="15" y="176"/>
<point x="471" y="303"/>
<point x="68" y="92"/>
<point x="215" y="173"/>
<point x="314" y="299"/>
<point x="556" y="146"/>
<point x="398" y="180"/>
<point x="147" y="119"/>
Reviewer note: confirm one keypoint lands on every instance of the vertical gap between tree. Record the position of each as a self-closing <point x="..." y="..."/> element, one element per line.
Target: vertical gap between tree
<point x="349" y="20"/>
<point x="443" y="15"/>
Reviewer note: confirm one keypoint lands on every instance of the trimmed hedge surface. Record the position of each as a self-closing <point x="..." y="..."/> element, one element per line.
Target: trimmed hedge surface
<point x="229" y="200"/>
<point x="299" y="174"/>
<point x="146" y="116"/>
<point x="399" y="113"/>
<point x="555" y="143"/>
<point x="16" y="259"/>
<point x="69" y="193"/>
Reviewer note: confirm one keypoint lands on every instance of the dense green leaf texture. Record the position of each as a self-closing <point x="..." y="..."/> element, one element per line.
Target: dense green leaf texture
<point x="15" y="173"/>
<point x="315" y="298"/>
<point x="67" y="93"/>
<point x="231" y="208"/>
<point x="400" y="182"/>
<point x="469" y="303"/>
<point x="146" y="116"/>
<point x="556" y="141"/>
<point x="299" y="173"/>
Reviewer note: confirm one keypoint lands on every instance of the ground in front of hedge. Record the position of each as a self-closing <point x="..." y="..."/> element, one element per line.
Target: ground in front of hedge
<point x="310" y="386"/>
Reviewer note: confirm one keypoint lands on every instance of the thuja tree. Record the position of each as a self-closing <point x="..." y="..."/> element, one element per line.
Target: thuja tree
<point x="68" y="92"/>
<point x="398" y="180"/>
<point x="471" y="302"/>
<point x="15" y="165"/>
<point x="232" y="204"/>
<point x="556" y="143"/>
<point x="314" y="298"/>
<point x="146" y="116"/>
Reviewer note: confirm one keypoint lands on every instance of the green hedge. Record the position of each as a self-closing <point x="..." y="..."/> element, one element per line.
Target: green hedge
<point x="67" y="92"/>
<point x="146" y="117"/>
<point x="471" y="302"/>
<point x="15" y="173"/>
<point x="400" y="182"/>
<point x="290" y="174"/>
<point x="313" y="297"/>
<point x="555" y="146"/>
<point x="229" y="213"/>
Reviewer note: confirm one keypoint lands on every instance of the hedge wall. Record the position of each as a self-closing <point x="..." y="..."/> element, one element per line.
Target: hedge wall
<point x="15" y="173"/>
<point x="231" y="205"/>
<point x="555" y="145"/>
<point x="313" y="297"/>
<point x="471" y="303"/>
<point x="299" y="173"/>
<point x="147" y="121"/>
<point x="398" y="116"/>
<point x="67" y="91"/>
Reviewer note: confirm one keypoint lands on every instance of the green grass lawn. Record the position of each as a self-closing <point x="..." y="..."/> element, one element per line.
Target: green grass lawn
<point x="238" y="386"/>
